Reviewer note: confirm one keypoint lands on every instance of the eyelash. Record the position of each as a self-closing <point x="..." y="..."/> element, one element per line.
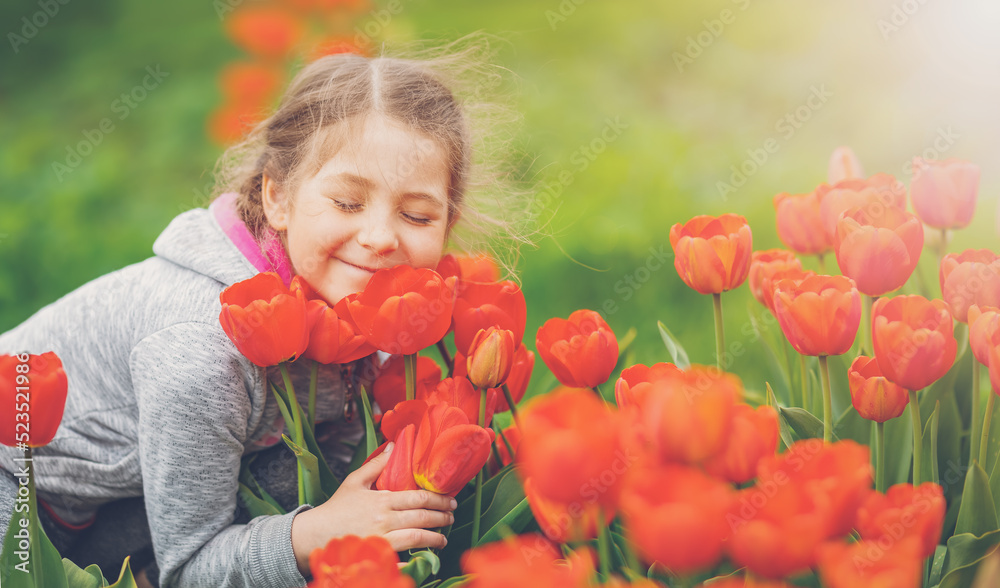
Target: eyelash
<point x="354" y="207"/>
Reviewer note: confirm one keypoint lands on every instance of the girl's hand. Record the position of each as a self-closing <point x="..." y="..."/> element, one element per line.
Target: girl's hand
<point x="403" y="518"/>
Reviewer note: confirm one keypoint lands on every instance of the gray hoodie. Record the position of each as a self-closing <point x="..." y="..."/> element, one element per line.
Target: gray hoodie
<point x="161" y="404"/>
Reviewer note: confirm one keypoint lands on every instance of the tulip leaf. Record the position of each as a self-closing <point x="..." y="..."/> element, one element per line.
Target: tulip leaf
<point x="802" y="423"/>
<point x="763" y="323"/>
<point x="898" y="448"/>
<point x="422" y="565"/>
<point x="937" y="566"/>
<point x="42" y="562"/>
<point x="949" y="443"/>
<point x="784" y="432"/>
<point x="851" y="425"/>
<point x="314" y="494"/>
<point x="256" y="505"/>
<point x="371" y="439"/>
<point x="328" y="480"/>
<point x="929" y="456"/>
<point x="674" y="347"/>
<point x="977" y="515"/>
<point x="625" y="342"/>
<point x="125" y="578"/>
<point x="513" y="521"/>
<point x="454" y="582"/>
<point x="965" y="551"/>
<point x="86" y="578"/>
<point x="993" y="443"/>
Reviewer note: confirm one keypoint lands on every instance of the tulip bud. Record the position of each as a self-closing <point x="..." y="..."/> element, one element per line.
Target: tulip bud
<point x="491" y="356"/>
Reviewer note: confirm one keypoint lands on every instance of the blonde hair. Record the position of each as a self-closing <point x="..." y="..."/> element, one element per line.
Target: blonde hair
<point x="440" y="92"/>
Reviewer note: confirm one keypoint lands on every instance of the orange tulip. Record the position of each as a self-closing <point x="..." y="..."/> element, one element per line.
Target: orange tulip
<point x="753" y="436"/>
<point x="403" y="309"/>
<point x="526" y="561"/>
<point x="332" y="338"/>
<point x="491" y="356"/>
<point x="228" y="123"/>
<point x="448" y="451"/>
<point x="676" y="516"/>
<point x="483" y="305"/>
<point x="984" y="331"/>
<point x="878" y="251"/>
<point x="873" y="195"/>
<point x="844" y="164"/>
<point x="355" y="562"/>
<point x="636" y="380"/>
<point x="398" y="472"/>
<point x="763" y="265"/>
<point x="266" y="322"/>
<point x="251" y="84"/>
<point x="687" y="416"/>
<point x="267" y="32"/>
<point x="970" y="277"/>
<point x="873" y="396"/>
<point x="800" y="225"/>
<point x="460" y="393"/>
<point x="904" y="511"/>
<point x="33" y="396"/>
<point x="712" y="254"/>
<point x="867" y="563"/>
<point x="820" y="315"/>
<point x="562" y="523"/>
<point x="570" y="458"/>
<point x="581" y="351"/>
<point x="520" y="375"/>
<point x="474" y="268"/>
<point x="913" y="340"/>
<point x="407" y="412"/>
<point x="389" y="389"/>
<point x="944" y="192"/>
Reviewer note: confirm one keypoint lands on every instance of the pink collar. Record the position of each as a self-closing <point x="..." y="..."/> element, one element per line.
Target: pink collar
<point x="269" y="256"/>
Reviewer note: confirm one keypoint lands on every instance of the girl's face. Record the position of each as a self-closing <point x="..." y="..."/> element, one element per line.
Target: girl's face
<point x="380" y="201"/>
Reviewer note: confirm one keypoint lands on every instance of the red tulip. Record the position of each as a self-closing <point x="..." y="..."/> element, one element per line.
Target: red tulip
<point x="398" y="472"/>
<point x="332" y="338"/>
<point x="687" y="415"/>
<point x="33" y="396"/>
<point x="250" y="84"/>
<point x="800" y="225"/>
<point x="873" y="396"/>
<point x="873" y="196"/>
<point x="913" y="340"/>
<point x="389" y="389"/>
<point x="564" y="523"/>
<point x="820" y="315"/>
<point x="402" y="309"/>
<point x="712" y="254"/>
<point x="763" y="265"/>
<point x="265" y="321"/>
<point x="482" y="305"/>
<point x="677" y="516"/>
<point x="844" y="164"/>
<point x="870" y="563"/>
<point x="460" y="393"/>
<point x="984" y="331"/>
<point x="904" y="511"/>
<point x="265" y="31"/>
<point x="526" y="561"/>
<point x="635" y="381"/>
<point x="878" y="251"/>
<point x="944" y="192"/>
<point x="355" y="562"/>
<point x="520" y="375"/>
<point x="491" y="356"/>
<point x="407" y="412"/>
<point x="448" y="450"/>
<point x="476" y="268"/>
<point x="581" y="351"/>
<point x="228" y="123"/>
<point x="970" y="277"/>
<point x="572" y="448"/>
<point x="512" y="434"/>
<point x="753" y="436"/>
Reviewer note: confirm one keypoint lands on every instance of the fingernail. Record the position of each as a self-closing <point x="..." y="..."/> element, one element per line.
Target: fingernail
<point x="445" y="541"/>
<point x="453" y="504"/>
<point x="388" y="447"/>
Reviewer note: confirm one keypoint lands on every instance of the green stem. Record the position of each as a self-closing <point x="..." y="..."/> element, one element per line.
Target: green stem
<point x="822" y="263"/>
<point x="867" y="344"/>
<point x="720" y="336"/>
<point x="880" y="448"/>
<point x="510" y="449"/>
<point x="478" y="508"/>
<point x="448" y="360"/>
<point x="976" y="417"/>
<point x="987" y="418"/>
<point x="371" y="443"/>
<point x="410" y="365"/>
<point x="510" y="402"/>
<point x="805" y="381"/>
<point x="313" y="372"/>
<point x="943" y="249"/>
<point x="296" y="411"/>
<point x="917" y="436"/>
<point x="482" y="407"/>
<point x="824" y="372"/>
<point x="604" y="546"/>
<point x="597" y="390"/>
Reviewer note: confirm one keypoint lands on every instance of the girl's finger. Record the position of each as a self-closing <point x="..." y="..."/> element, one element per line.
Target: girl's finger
<point x="369" y="472"/>
<point x="403" y="539"/>
<point x="423" y="519"/>
<point x="411" y="499"/>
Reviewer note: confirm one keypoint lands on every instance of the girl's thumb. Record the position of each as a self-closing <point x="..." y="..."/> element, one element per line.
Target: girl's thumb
<point x="373" y="467"/>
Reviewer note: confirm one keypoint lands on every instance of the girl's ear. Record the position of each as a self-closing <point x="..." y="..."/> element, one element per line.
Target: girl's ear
<point x="274" y="204"/>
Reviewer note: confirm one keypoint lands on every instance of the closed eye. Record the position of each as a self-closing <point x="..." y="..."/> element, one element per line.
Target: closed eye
<point x="420" y="220"/>
<point x="347" y="206"/>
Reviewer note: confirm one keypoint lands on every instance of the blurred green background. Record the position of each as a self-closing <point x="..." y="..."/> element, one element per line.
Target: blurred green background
<point x="696" y="88"/>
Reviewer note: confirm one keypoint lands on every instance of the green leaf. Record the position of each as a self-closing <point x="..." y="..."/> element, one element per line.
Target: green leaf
<point x="929" y="457"/>
<point x="977" y="515"/>
<point x="256" y="505"/>
<point x="851" y="425"/>
<point x="937" y="565"/>
<point x="42" y="566"/>
<point x="371" y="439"/>
<point x="422" y="565"/>
<point x="328" y="481"/>
<point x="763" y="323"/>
<point x="455" y="582"/>
<point x="125" y="579"/>
<point x="88" y="578"/>
<point x="898" y="449"/>
<point x="512" y="522"/>
<point x="784" y="432"/>
<point x="965" y="551"/>
<point x="674" y="347"/>
<point x="802" y="423"/>
<point x="310" y="472"/>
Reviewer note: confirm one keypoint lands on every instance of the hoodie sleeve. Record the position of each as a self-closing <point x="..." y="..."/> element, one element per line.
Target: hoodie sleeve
<point x="194" y="408"/>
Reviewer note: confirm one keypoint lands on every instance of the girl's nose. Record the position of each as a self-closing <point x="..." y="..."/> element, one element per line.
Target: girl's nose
<point x="376" y="233"/>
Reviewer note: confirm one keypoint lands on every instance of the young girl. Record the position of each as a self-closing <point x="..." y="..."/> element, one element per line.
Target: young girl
<point x="363" y="166"/>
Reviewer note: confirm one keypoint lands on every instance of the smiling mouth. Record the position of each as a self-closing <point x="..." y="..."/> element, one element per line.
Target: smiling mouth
<point x="360" y="267"/>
